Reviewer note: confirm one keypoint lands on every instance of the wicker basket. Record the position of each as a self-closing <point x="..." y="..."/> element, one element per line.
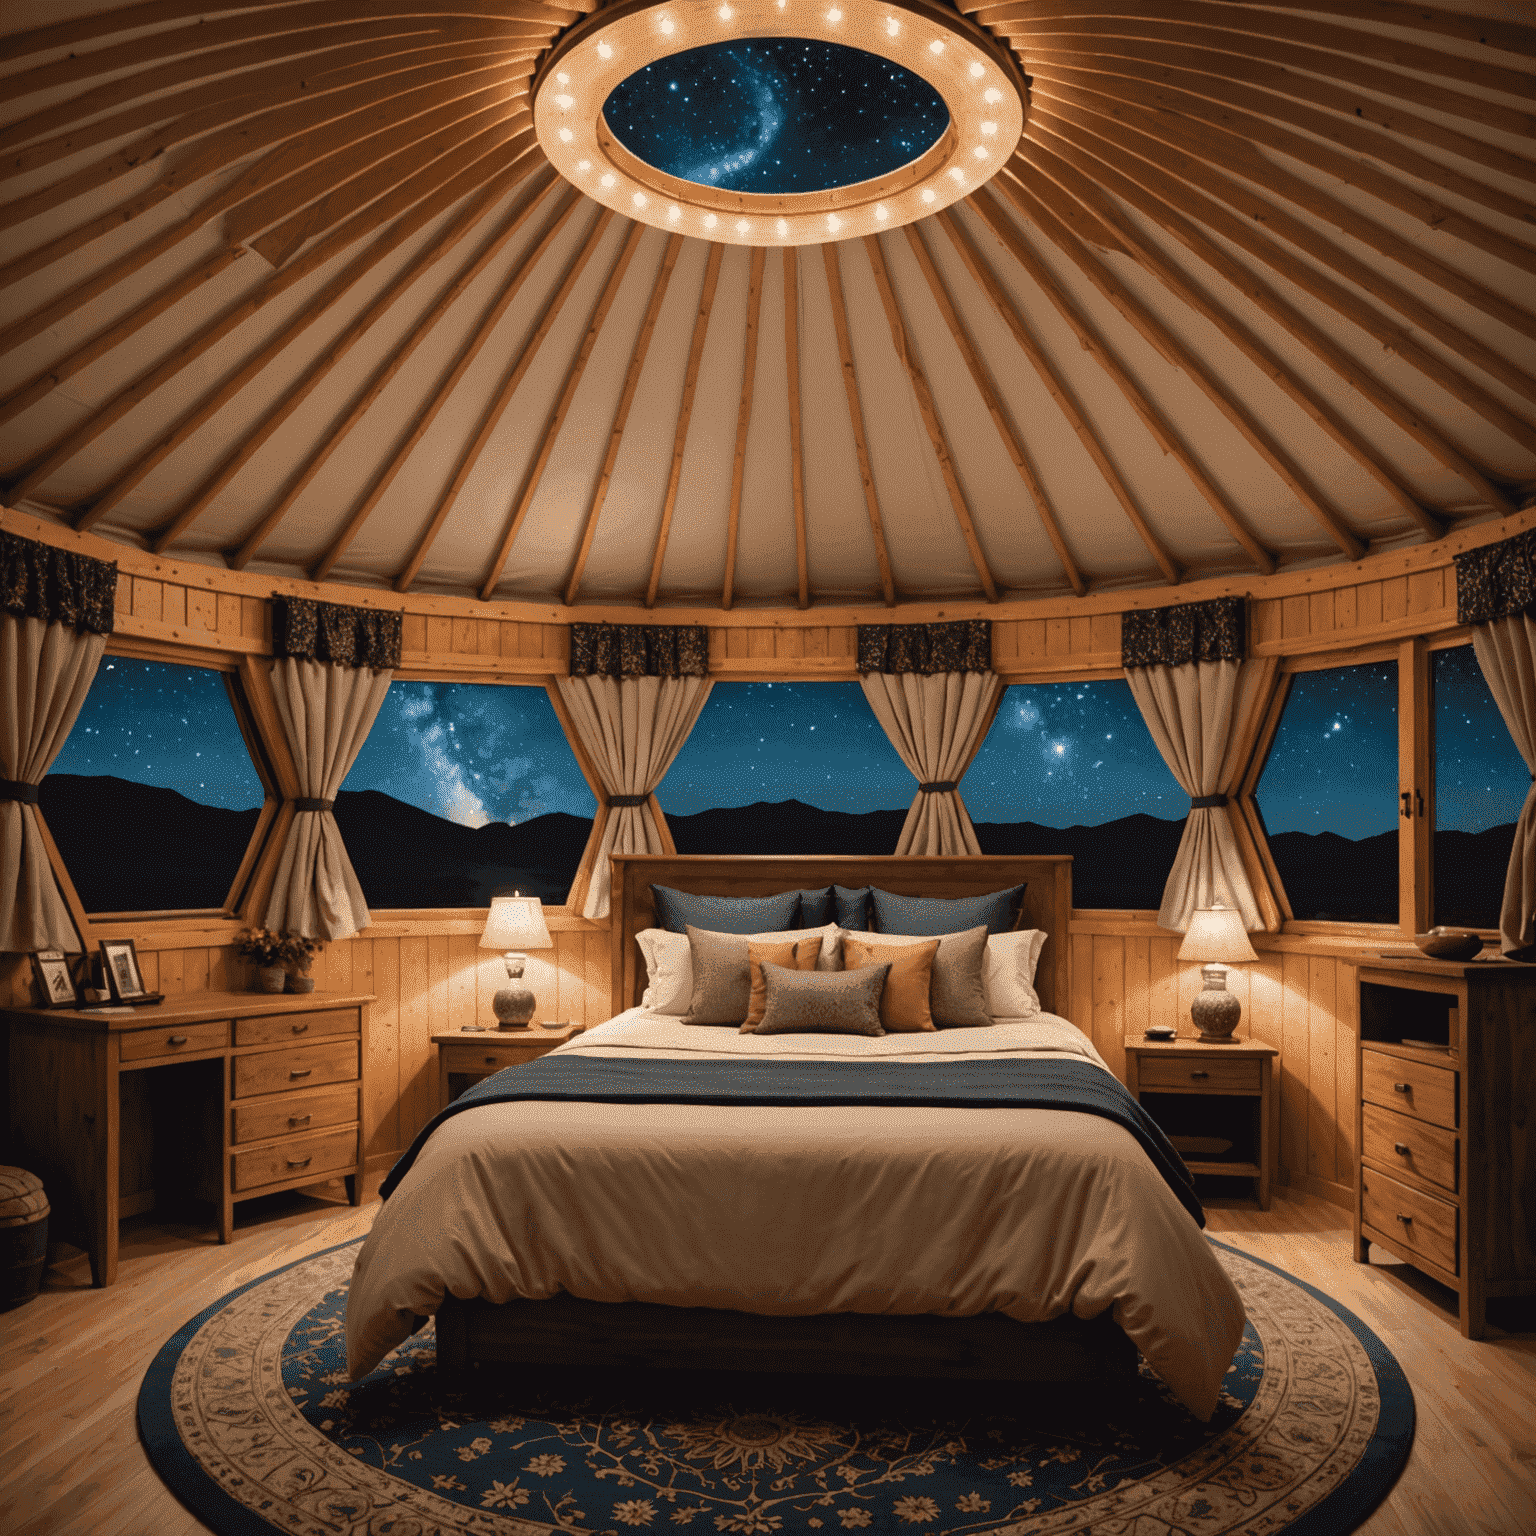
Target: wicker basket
<point x="23" y="1236"/>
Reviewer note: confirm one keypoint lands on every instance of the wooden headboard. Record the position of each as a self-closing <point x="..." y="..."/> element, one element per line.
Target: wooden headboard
<point x="1047" y="901"/>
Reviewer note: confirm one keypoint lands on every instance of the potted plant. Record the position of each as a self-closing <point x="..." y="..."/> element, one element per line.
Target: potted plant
<point x="274" y="956"/>
<point x="297" y="954"/>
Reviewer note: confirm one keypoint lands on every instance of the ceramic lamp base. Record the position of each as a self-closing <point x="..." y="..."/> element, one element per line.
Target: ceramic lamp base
<point x="1215" y="1011"/>
<point x="513" y="1004"/>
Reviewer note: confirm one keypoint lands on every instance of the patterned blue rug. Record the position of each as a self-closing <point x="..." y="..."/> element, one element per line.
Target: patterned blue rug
<point x="248" y="1415"/>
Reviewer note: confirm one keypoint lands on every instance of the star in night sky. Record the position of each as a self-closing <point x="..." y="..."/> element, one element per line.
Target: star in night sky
<point x="775" y="115"/>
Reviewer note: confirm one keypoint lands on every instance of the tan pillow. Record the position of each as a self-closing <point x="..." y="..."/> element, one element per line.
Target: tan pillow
<point x="904" y="1005"/>
<point x="796" y="955"/>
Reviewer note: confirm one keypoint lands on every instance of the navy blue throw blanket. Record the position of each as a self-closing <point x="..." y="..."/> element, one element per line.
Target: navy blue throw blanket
<point x="1004" y="1084"/>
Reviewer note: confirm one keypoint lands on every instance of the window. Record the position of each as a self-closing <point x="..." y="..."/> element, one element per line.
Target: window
<point x="154" y="800"/>
<point x="1072" y="768"/>
<point x="1480" y="784"/>
<point x="786" y="768"/>
<point x="464" y="791"/>
<point x="1328" y="794"/>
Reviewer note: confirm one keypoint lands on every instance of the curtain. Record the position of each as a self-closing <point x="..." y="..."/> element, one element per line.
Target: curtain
<point x="332" y="671"/>
<point x="1496" y="596"/>
<point x="1187" y="674"/>
<point x="634" y="693"/>
<point x="933" y="691"/>
<point x="56" y="610"/>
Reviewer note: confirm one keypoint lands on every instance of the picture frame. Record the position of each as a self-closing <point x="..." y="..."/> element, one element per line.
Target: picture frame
<point x="55" y="985"/>
<point x="120" y="967"/>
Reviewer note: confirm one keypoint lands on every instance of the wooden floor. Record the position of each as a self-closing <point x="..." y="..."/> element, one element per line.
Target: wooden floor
<point x="71" y="1362"/>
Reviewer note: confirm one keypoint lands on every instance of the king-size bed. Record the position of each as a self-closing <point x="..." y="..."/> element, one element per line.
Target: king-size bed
<point x="965" y="1201"/>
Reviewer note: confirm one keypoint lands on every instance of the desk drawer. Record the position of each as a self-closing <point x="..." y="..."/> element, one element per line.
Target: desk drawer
<point x="314" y="1157"/>
<point x="1420" y="1153"/>
<point x="307" y="1066"/>
<point x="1203" y="1073"/>
<point x="484" y="1059"/>
<point x="294" y="1113"/>
<point x="1409" y="1087"/>
<point x="297" y="1027"/>
<point x="1417" y="1222"/>
<point x="173" y="1040"/>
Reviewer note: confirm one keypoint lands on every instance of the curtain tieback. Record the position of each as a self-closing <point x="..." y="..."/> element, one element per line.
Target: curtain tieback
<point x="623" y="800"/>
<point x="1206" y="802"/>
<point x="14" y="789"/>
<point x="313" y="805"/>
<point x="938" y="787"/>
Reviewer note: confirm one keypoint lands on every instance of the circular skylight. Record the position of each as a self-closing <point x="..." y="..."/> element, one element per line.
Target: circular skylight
<point x="775" y="115"/>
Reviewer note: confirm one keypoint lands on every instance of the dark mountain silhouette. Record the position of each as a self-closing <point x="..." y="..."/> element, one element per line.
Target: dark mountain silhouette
<point x="1469" y="876"/>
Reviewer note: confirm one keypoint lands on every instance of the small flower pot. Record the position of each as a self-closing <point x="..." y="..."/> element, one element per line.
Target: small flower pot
<point x="270" y="978"/>
<point x="300" y="983"/>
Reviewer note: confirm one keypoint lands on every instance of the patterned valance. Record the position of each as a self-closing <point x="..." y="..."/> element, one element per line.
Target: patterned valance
<point x="964" y="646"/>
<point x="59" y="586"/>
<point x="1497" y="580"/>
<point x="334" y="633"/>
<point x="639" y="650"/>
<point x="1170" y="637"/>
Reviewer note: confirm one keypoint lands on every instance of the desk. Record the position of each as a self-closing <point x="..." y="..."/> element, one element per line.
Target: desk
<point x="219" y="1096"/>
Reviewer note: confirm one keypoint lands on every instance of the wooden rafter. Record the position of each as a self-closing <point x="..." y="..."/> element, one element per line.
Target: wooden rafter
<point x="796" y="448"/>
<point x="546" y="440"/>
<point x="621" y="415"/>
<point x="856" y="419"/>
<point x="981" y="377"/>
<point x="684" y="416"/>
<point x="743" y="421"/>
<point x="930" y="415"/>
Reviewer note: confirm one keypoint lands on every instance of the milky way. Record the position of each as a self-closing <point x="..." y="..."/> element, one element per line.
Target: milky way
<point x="775" y="115"/>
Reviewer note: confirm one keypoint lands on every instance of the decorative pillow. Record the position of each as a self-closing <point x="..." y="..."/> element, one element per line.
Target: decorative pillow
<point x="1008" y="974"/>
<point x="930" y="916"/>
<point x="823" y="1002"/>
<point x="669" y="962"/>
<point x="677" y="910"/>
<point x="852" y="908"/>
<point x="956" y="996"/>
<point x="798" y="955"/>
<point x="904" y="1005"/>
<point x="816" y="907"/>
<point x="722" y="984"/>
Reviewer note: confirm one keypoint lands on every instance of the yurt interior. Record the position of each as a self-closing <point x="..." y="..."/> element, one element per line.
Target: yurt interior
<point x="893" y="641"/>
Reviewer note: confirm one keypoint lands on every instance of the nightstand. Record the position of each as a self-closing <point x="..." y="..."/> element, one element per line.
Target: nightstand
<point x="1211" y="1092"/>
<point x="465" y="1056"/>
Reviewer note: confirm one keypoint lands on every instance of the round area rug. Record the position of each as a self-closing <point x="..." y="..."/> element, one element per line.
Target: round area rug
<point x="248" y="1415"/>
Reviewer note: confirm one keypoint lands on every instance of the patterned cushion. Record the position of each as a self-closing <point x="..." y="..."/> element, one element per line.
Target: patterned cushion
<point x="957" y="997"/>
<point x="793" y="955"/>
<point x="823" y="1002"/>
<point x="904" y="1005"/>
<point x="931" y="916"/>
<point x="852" y="908"/>
<point x="676" y="910"/>
<point x="722" y="984"/>
<point x="816" y="907"/>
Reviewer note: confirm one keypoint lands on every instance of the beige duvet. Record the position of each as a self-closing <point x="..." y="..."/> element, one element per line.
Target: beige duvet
<point x="1029" y="1212"/>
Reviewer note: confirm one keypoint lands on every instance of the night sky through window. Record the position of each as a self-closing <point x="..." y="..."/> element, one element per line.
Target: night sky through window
<point x="775" y="115"/>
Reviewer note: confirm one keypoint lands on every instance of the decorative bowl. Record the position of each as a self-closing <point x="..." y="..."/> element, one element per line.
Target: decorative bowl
<point x="1449" y="943"/>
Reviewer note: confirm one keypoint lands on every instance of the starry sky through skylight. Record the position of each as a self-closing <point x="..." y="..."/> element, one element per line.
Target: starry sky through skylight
<point x="775" y="115"/>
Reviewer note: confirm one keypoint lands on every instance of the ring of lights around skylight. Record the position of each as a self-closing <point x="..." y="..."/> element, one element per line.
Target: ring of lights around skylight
<point x="975" y="77"/>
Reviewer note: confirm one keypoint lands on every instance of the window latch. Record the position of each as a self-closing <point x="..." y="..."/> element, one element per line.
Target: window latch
<point x="1407" y="798"/>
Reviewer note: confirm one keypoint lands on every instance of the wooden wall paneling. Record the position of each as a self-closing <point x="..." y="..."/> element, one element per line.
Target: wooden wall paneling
<point x="462" y="1001"/>
<point x="1081" y="1012"/>
<point x="1109" y="1001"/>
<point x="1295" y="979"/>
<point x="1138" y="984"/>
<point x="1165" y="981"/>
<point x="1346" y="1033"/>
<point x="596" y="960"/>
<point x="416" y="1069"/>
<point x="1322" y="1026"/>
<point x="383" y="1080"/>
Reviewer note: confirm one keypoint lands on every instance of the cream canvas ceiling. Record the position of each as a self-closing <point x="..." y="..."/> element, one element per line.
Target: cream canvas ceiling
<point x="291" y="287"/>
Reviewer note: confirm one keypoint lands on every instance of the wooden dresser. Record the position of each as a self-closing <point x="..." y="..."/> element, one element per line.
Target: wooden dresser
<point x="1446" y="1126"/>
<point x="209" y="1096"/>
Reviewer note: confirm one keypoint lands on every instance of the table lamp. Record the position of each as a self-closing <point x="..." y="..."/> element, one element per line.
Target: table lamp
<point x="513" y="924"/>
<point x="1216" y="938"/>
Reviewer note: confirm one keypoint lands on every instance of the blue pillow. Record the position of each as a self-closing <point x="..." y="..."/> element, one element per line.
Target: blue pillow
<point x="675" y="910"/>
<point x="853" y="908"/>
<point x="930" y="916"/>
<point x="815" y="907"/>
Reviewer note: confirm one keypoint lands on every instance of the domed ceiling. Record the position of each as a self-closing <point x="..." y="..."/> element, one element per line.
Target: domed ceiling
<point x="292" y="287"/>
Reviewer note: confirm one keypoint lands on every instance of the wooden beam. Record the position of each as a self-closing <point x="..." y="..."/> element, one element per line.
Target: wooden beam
<point x="621" y="415"/>
<point x="551" y="432"/>
<point x="1067" y="403"/>
<point x="796" y="453"/>
<point x="930" y="415"/>
<point x="743" y="420"/>
<point x="684" y="415"/>
<point x="1416" y="759"/>
<point x="981" y="377"/>
<point x="856" y="419"/>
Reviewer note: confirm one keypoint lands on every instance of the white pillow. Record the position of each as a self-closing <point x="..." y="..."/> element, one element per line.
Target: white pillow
<point x="669" y="964"/>
<point x="1007" y="969"/>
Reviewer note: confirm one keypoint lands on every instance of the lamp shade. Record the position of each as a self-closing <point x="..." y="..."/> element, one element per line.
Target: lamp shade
<point x="1216" y="936"/>
<point x="516" y="922"/>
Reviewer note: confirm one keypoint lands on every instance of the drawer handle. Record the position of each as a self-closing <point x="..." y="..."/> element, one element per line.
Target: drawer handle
<point x="176" y="1040"/>
<point x="298" y="1120"/>
<point x="304" y="1073"/>
<point x="1402" y="1087"/>
<point x="1199" y="1074"/>
<point x="299" y="1029"/>
<point x="302" y="1162"/>
<point x="1404" y="1219"/>
<point x="1401" y="1148"/>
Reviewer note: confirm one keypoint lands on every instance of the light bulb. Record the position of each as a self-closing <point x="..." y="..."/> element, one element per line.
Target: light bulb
<point x="742" y="226"/>
<point x="834" y="15"/>
<point x="979" y="152"/>
<point x="936" y="46"/>
<point x="834" y="223"/>
<point x="892" y="26"/>
<point x="562" y="78"/>
<point x="882" y="212"/>
<point x="638" y="199"/>
<point x="565" y="103"/>
<point x="566" y="135"/>
<point x="957" y="174"/>
<point x="607" y="181"/>
<point x="977" y="71"/>
<point x="583" y="165"/>
<point x="710" y="221"/>
<point x="725" y="13"/>
<point x="674" y="213"/>
<point x="605" y="50"/>
<point x="989" y="129"/>
<point x="666" y="25"/>
<point x="992" y="96"/>
<point x="928" y="194"/>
